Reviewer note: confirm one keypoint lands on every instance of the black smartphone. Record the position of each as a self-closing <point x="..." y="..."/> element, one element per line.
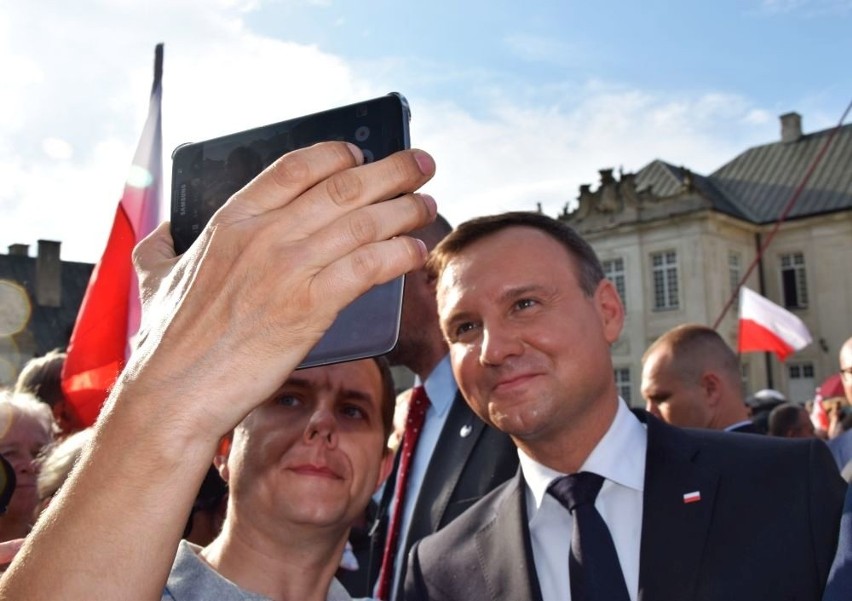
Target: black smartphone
<point x="205" y="174"/>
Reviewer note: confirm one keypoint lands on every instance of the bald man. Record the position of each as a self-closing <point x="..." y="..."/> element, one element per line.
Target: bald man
<point x="691" y="378"/>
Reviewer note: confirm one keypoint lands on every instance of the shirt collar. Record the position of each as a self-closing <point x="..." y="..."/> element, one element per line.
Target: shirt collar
<point x="619" y="456"/>
<point x="732" y="427"/>
<point x="440" y="386"/>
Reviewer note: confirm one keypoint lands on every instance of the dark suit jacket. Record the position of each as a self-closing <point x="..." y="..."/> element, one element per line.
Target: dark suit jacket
<point x="470" y="460"/>
<point x="839" y="587"/>
<point x="765" y="527"/>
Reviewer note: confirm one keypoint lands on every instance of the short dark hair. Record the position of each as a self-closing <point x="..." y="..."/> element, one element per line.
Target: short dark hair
<point x="388" y="399"/>
<point x="42" y="377"/>
<point x="589" y="270"/>
<point x="783" y="418"/>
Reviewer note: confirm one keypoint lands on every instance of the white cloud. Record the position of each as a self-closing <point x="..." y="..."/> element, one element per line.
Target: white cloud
<point x="529" y="155"/>
<point x="83" y="75"/>
<point x="57" y="148"/>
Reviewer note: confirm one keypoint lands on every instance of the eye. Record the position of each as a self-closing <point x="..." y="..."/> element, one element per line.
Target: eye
<point x="287" y="400"/>
<point x="353" y="411"/>
<point x="10" y="453"/>
<point x="464" y="328"/>
<point x="525" y="303"/>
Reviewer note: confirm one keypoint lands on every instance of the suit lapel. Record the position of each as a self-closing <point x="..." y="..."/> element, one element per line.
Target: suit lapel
<point x="674" y="531"/>
<point x="458" y="438"/>
<point x="505" y="551"/>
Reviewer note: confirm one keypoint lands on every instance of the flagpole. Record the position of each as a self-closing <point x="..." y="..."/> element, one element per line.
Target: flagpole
<point x="158" y="67"/>
<point x="761" y="282"/>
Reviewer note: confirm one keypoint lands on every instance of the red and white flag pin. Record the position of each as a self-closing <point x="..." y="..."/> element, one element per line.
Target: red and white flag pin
<point x="692" y="497"/>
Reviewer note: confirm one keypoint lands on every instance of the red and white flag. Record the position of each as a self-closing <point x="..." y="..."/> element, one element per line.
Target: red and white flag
<point x="110" y="312"/>
<point x="765" y="326"/>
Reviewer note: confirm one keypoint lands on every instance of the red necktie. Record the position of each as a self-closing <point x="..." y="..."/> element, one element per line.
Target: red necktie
<point x="417" y="406"/>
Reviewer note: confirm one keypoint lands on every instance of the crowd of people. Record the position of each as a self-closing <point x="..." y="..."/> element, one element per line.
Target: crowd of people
<point x="218" y="471"/>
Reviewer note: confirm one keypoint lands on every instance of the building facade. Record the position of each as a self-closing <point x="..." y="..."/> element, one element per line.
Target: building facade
<point x="677" y="244"/>
<point x="39" y="300"/>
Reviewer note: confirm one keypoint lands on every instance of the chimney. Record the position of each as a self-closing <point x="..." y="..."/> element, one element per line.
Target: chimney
<point x="19" y="250"/>
<point x="48" y="284"/>
<point x="791" y="127"/>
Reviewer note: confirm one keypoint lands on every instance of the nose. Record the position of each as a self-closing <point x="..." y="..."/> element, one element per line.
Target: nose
<point x="322" y="428"/>
<point x="497" y="345"/>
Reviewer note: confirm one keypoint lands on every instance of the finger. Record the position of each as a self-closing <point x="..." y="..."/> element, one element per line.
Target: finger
<point x="369" y="266"/>
<point x="10" y="548"/>
<point x="154" y="248"/>
<point x="349" y="189"/>
<point x="359" y="228"/>
<point x="153" y="258"/>
<point x="288" y="177"/>
<point x="400" y="173"/>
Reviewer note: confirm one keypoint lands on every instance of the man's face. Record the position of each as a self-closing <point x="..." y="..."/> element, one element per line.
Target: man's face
<point x="21" y="439"/>
<point x="670" y="395"/>
<point x="846" y="369"/>
<point x="529" y="349"/>
<point x="313" y="453"/>
<point x="417" y="321"/>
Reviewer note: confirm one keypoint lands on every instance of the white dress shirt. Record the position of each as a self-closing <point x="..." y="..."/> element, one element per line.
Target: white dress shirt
<point x="441" y="389"/>
<point x="620" y="458"/>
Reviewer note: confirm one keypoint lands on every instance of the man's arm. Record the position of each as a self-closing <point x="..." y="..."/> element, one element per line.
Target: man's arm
<point x="223" y="326"/>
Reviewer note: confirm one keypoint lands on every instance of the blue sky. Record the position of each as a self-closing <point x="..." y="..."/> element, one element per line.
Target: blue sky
<point x="520" y="103"/>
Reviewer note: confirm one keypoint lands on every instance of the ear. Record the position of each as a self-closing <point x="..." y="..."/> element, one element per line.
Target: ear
<point x="385" y="467"/>
<point x="610" y="309"/>
<point x="220" y="461"/>
<point x="712" y="386"/>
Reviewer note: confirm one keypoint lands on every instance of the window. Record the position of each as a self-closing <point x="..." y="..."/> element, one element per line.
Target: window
<point x="734" y="275"/>
<point x="664" y="266"/>
<point x="622" y="382"/>
<point x="801" y="371"/>
<point x="801" y="383"/>
<point x="614" y="270"/>
<point x="794" y="282"/>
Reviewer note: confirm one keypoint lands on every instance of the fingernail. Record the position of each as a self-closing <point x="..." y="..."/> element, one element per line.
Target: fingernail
<point x="430" y="203"/>
<point x="424" y="252"/>
<point x="424" y="162"/>
<point x="356" y="152"/>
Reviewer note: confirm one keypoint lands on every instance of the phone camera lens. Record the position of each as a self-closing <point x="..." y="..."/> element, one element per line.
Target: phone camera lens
<point x="368" y="155"/>
<point x="362" y="133"/>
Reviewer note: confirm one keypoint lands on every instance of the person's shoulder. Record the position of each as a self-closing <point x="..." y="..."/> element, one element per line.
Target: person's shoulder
<point x="738" y="450"/>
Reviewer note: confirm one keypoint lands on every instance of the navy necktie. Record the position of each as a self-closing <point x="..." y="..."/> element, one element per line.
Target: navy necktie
<point x="593" y="563"/>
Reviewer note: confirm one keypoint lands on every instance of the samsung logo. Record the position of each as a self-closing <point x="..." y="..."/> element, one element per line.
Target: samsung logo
<point x="182" y="200"/>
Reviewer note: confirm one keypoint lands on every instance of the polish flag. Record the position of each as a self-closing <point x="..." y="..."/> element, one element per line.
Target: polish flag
<point x="110" y="312"/>
<point x="765" y="326"/>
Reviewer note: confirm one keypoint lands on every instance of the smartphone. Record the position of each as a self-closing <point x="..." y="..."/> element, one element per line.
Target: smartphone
<point x="205" y="174"/>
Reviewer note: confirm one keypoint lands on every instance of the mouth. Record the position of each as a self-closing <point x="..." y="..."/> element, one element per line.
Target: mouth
<point x="513" y="383"/>
<point x="317" y="471"/>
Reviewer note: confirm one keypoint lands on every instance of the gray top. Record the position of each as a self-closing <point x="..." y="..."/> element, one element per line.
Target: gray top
<point x="191" y="579"/>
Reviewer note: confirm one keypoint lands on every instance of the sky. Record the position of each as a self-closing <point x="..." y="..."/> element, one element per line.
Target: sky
<point x="519" y="103"/>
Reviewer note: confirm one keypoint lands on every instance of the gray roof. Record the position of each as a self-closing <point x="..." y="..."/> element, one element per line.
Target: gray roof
<point x="762" y="180"/>
<point x="757" y="184"/>
<point x="666" y="180"/>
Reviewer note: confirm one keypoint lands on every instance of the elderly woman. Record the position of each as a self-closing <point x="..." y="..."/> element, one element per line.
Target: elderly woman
<point x="26" y="426"/>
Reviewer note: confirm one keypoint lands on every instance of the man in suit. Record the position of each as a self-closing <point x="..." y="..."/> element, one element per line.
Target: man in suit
<point x="457" y="458"/>
<point x="690" y="514"/>
<point x="691" y="378"/>
<point x="841" y="445"/>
